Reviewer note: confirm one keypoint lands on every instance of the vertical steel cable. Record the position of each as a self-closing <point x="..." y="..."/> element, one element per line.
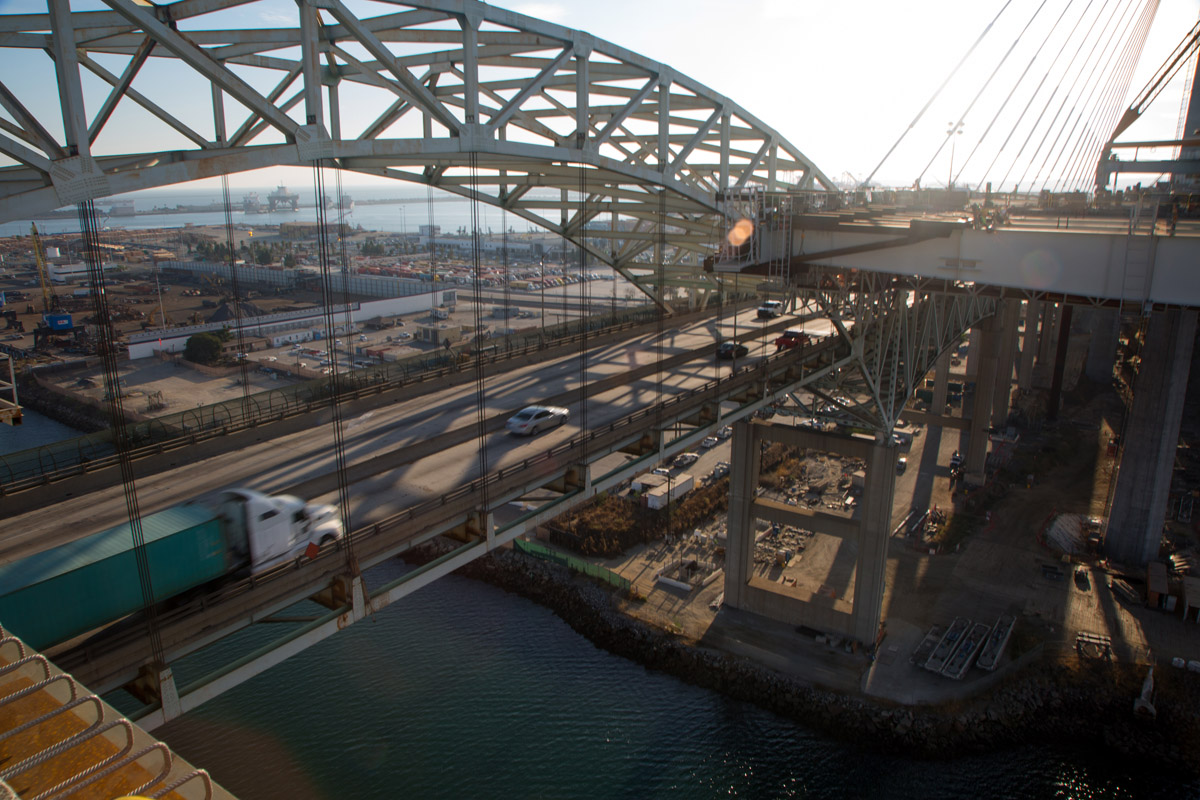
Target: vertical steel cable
<point x="333" y="386"/>
<point x="584" y="299"/>
<point x="480" y="382"/>
<point x="107" y="348"/>
<point x="660" y="254"/>
<point x="243" y="364"/>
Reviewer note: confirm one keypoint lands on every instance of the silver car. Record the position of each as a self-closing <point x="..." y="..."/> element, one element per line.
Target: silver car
<point x="533" y="419"/>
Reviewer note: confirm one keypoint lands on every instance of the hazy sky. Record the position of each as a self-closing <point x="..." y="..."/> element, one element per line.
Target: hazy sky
<point x="840" y="80"/>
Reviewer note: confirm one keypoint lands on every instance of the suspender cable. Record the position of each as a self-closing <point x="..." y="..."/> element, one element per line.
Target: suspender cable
<point x="477" y="285"/>
<point x="107" y="348"/>
<point x="1029" y="103"/>
<point x="935" y="95"/>
<point x="584" y="300"/>
<point x="243" y="365"/>
<point x="334" y="385"/>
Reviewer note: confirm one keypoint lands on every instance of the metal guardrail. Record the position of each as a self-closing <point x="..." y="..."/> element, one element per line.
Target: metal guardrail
<point x="424" y="520"/>
<point x="49" y="464"/>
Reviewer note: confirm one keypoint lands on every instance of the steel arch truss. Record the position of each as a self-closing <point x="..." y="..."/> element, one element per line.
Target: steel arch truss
<point x="900" y="325"/>
<point x="564" y="130"/>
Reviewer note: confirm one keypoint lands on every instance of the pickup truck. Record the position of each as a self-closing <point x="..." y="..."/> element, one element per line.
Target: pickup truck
<point x="770" y="309"/>
<point x="790" y="339"/>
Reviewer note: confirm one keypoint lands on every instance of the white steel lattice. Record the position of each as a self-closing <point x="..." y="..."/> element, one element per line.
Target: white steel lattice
<point x="407" y="94"/>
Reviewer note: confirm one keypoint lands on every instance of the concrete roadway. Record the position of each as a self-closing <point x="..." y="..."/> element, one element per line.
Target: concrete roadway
<point x="288" y="461"/>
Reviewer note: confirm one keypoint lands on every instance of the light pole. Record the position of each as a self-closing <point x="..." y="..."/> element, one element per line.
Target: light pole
<point x="955" y="128"/>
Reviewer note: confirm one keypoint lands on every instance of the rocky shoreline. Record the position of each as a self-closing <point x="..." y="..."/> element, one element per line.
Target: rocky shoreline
<point x="60" y="408"/>
<point x="1090" y="707"/>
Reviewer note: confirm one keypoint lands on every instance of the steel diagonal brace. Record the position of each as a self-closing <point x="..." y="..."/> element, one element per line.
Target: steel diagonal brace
<point x="199" y="60"/>
<point x="40" y="136"/>
<point x="420" y="94"/>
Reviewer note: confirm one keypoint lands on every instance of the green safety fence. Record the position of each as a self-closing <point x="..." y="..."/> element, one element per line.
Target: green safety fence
<point x="571" y="562"/>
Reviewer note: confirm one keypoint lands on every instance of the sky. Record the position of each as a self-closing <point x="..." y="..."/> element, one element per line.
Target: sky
<point x="840" y="80"/>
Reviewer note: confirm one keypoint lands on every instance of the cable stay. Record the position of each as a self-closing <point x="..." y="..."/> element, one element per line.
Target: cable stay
<point x="866" y="181"/>
<point x="962" y="117"/>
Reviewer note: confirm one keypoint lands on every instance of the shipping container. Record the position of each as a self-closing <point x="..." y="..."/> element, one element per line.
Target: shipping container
<point x="60" y="593"/>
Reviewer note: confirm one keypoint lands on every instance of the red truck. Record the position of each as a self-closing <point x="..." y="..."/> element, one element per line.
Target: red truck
<point x="790" y="339"/>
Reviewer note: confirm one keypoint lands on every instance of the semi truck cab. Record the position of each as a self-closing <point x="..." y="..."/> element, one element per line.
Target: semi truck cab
<point x="276" y="528"/>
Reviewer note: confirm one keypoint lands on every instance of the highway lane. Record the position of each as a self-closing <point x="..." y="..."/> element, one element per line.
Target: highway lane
<point x="292" y="459"/>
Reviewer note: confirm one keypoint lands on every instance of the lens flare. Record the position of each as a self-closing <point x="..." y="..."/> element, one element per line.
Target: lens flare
<point x="740" y="232"/>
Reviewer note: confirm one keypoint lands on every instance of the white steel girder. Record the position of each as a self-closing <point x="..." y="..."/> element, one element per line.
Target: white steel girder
<point x="901" y="325"/>
<point x="545" y="112"/>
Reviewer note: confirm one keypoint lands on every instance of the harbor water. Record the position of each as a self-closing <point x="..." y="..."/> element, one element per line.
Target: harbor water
<point x="463" y="690"/>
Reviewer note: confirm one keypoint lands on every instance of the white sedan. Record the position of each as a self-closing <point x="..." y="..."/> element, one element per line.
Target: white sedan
<point x="532" y="419"/>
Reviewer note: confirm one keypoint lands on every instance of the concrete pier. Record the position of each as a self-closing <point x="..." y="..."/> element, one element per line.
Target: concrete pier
<point x="1151" y="436"/>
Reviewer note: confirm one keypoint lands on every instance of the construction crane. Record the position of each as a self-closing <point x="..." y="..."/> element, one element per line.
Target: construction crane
<point x="41" y="269"/>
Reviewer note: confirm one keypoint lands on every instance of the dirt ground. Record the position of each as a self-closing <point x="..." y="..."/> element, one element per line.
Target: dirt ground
<point x="997" y="569"/>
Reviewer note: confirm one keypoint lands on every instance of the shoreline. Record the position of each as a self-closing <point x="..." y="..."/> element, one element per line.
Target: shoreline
<point x="1042" y="702"/>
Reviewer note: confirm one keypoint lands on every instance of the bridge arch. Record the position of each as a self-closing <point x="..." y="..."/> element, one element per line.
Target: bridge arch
<point x="479" y="101"/>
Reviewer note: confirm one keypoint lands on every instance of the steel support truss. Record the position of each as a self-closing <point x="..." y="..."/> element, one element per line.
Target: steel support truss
<point x="896" y="327"/>
<point x="569" y="132"/>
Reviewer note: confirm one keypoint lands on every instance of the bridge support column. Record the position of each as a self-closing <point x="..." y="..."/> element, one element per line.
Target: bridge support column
<point x="981" y="411"/>
<point x="1139" y="503"/>
<point x="155" y="683"/>
<point x="743" y="480"/>
<point x="1029" y="344"/>
<point x="1008" y="314"/>
<point x="941" y="384"/>
<point x="866" y="536"/>
<point x="873" y="532"/>
<point x="1102" y="352"/>
<point x="974" y="342"/>
<point x="1048" y="335"/>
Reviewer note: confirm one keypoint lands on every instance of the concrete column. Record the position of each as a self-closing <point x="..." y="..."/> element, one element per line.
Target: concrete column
<point x="981" y="416"/>
<point x="1029" y="344"/>
<point x="1151" y="435"/>
<point x="973" y="341"/>
<point x="1008" y="314"/>
<point x="1102" y="352"/>
<point x="739" y="544"/>
<point x="873" y="542"/>
<point x="1048" y="335"/>
<point x="941" y="383"/>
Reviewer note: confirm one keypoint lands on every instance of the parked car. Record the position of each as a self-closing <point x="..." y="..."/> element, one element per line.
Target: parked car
<point x="791" y="338"/>
<point x="901" y="465"/>
<point x="685" y="459"/>
<point x="533" y="419"/>
<point x="770" y="309"/>
<point x="731" y="350"/>
<point x="666" y="473"/>
<point x="725" y="432"/>
<point x="710" y="442"/>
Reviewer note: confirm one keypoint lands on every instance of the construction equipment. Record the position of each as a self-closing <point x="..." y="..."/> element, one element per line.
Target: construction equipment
<point x="41" y="269"/>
